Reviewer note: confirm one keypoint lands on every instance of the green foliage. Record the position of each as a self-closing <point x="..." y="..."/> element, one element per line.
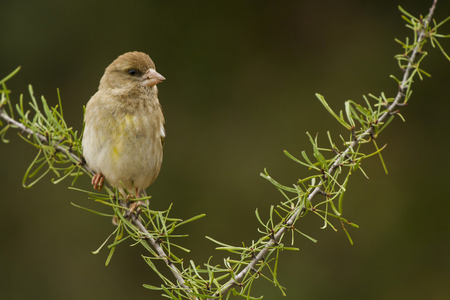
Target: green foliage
<point x="59" y="147"/>
<point x="321" y="192"/>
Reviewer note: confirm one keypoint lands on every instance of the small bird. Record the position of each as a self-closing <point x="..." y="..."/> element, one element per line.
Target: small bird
<point x="124" y="126"/>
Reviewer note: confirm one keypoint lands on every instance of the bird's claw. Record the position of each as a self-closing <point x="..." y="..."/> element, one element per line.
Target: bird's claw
<point x="135" y="206"/>
<point x="97" y="181"/>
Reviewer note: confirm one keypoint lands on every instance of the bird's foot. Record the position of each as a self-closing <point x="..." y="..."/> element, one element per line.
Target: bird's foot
<point x="97" y="181"/>
<point x="135" y="206"/>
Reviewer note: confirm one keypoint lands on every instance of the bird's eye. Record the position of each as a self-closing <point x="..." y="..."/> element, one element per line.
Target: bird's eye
<point x="132" y="72"/>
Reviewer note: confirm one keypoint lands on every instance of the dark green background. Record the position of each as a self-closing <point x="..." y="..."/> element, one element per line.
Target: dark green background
<point x="241" y="78"/>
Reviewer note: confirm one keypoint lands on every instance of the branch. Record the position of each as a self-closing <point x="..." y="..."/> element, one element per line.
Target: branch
<point x="44" y="140"/>
<point x="58" y="145"/>
<point x="276" y="238"/>
<point x="148" y="237"/>
<point x="82" y="164"/>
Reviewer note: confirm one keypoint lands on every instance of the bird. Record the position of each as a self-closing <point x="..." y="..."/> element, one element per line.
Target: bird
<point x="124" y="130"/>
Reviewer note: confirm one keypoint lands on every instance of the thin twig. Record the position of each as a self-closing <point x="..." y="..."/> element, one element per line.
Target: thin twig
<point x="148" y="237"/>
<point x="275" y="239"/>
<point x="43" y="139"/>
<point x="136" y="221"/>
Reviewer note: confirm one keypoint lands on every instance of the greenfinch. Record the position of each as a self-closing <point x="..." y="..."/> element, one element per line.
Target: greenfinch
<point x="124" y="126"/>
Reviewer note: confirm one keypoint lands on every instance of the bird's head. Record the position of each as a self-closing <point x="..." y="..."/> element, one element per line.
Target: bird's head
<point x="131" y="70"/>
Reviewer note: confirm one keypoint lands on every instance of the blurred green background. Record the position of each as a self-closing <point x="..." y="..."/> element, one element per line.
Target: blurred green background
<point x="241" y="78"/>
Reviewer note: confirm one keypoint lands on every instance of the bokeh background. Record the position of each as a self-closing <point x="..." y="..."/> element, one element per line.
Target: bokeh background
<point x="241" y="78"/>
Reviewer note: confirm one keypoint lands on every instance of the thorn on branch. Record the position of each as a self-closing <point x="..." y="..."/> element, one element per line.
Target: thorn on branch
<point x="354" y="134"/>
<point x="371" y="132"/>
<point x="336" y="151"/>
<point x="272" y="237"/>
<point x="394" y="112"/>
<point x="324" y="193"/>
<point x="83" y="163"/>
<point x="349" y="158"/>
<point x="256" y="271"/>
<point x="253" y="256"/>
<point x="385" y="103"/>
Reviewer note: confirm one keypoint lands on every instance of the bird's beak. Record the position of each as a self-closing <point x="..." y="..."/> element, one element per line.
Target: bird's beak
<point x="152" y="78"/>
